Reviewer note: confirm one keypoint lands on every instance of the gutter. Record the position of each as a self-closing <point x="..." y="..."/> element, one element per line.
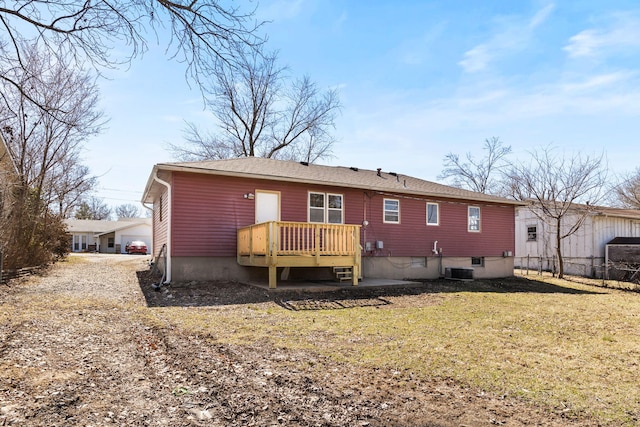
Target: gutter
<point x="168" y="219"/>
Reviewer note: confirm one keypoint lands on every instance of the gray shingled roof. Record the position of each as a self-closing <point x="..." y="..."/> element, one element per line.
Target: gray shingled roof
<point x="280" y="170"/>
<point x="625" y="241"/>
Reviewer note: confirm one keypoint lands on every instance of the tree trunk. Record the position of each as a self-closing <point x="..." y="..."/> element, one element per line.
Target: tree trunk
<point x="559" y="249"/>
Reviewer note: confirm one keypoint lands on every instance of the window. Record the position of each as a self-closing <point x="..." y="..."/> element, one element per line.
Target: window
<point x="325" y="207"/>
<point x="474" y="218"/>
<point x="418" y="262"/>
<point x="477" y="261"/>
<point x="392" y="211"/>
<point x="532" y="233"/>
<point x="433" y="217"/>
<point x="110" y="242"/>
<point x="160" y="209"/>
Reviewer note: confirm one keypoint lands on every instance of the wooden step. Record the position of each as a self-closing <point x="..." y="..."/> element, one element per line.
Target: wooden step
<point x="343" y="273"/>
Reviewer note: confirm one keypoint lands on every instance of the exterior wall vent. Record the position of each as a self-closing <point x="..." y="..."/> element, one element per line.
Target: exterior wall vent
<point x="454" y="273"/>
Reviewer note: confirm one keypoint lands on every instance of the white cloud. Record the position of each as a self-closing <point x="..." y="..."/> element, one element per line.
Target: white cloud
<point x="541" y="16"/>
<point x="513" y="34"/>
<point x="618" y="33"/>
<point x="476" y="59"/>
<point x="598" y="81"/>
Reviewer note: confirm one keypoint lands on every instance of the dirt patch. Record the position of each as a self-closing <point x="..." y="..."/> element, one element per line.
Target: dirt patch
<point x="79" y="346"/>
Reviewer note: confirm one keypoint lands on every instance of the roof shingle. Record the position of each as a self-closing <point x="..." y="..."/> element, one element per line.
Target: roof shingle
<point x="351" y="177"/>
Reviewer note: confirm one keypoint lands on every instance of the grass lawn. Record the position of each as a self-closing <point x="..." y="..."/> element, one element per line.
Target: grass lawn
<point x="557" y="344"/>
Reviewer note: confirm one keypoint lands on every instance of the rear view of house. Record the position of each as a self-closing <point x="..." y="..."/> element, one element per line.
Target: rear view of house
<point x="229" y="219"/>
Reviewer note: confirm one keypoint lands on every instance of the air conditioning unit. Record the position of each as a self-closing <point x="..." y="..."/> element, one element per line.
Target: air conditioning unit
<point x="458" y="273"/>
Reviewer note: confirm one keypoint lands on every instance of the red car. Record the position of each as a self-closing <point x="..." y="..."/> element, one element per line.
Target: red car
<point x="136" y="247"/>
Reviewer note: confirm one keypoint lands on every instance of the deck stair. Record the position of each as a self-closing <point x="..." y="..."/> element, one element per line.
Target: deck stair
<point x="343" y="274"/>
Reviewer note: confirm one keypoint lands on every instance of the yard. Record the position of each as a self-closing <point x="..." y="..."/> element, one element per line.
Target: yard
<point x="91" y="343"/>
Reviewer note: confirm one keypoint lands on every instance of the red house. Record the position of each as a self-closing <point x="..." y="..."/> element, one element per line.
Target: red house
<point x="248" y="218"/>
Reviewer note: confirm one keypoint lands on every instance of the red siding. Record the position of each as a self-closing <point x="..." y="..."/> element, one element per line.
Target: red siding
<point x="208" y="210"/>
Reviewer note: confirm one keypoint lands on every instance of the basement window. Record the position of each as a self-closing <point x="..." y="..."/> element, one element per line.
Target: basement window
<point x="418" y="262"/>
<point x="477" y="261"/>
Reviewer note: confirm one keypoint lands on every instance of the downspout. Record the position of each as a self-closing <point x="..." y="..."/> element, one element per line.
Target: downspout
<point x="168" y="243"/>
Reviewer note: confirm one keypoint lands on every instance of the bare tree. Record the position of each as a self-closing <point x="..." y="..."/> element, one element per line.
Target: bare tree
<point x="627" y="193"/>
<point x="70" y="185"/>
<point x="93" y="208"/>
<point x="46" y="148"/>
<point x="109" y="33"/>
<point x="481" y="175"/>
<point x="261" y="112"/>
<point x="562" y="191"/>
<point x="127" y="211"/>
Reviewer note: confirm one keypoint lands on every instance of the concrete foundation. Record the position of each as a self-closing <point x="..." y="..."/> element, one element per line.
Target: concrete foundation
<point x="398" y="268"/>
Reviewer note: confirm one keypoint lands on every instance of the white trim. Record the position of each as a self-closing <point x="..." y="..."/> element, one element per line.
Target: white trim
<point x="277" y="193"/>
<point x="437" y="205"/>
<point x="325" y="207"/>
<point x="168" y="219"/>
<point x="384" y="211"/>
<point x="474" y="230"/>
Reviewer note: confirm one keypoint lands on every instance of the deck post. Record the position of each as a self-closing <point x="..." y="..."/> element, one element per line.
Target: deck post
<point x="358" y="256"/>
<point x="273" y="276"/>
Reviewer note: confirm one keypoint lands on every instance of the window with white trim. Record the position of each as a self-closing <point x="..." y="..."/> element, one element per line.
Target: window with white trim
<point x="433" y="214"/>
<point x="392" y="211"/>
<point x="477" y="261"/>
<point x="474" y="218"/>
<point x="532" y="233"/>
<point x="326" y="208"/>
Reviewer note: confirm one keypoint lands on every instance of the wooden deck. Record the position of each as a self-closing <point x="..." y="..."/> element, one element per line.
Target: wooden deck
<point x="276" y="244"/>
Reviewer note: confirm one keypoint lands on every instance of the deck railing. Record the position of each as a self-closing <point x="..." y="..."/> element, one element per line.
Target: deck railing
<point x="279" y="238"/>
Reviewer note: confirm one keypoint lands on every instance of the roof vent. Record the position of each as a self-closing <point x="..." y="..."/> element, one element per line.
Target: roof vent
<point x="354" y="169"/>
<point x="304" y="163"/>
<point x="393" y="174"/>
<point x="379" y="169"/>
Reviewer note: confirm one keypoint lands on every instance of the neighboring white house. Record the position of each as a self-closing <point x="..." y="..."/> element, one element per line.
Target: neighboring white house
<point x="108" y="236"/>
<point x="583" y="252"/>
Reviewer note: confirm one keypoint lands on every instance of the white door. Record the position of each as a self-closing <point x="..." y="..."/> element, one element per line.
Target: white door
<point x="267" y="206"/>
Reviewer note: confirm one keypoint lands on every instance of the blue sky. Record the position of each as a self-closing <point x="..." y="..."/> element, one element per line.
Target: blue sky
<point x="417" y="79"/>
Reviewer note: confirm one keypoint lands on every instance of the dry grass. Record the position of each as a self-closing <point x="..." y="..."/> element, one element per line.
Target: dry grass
<point x="576" y="349"/>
